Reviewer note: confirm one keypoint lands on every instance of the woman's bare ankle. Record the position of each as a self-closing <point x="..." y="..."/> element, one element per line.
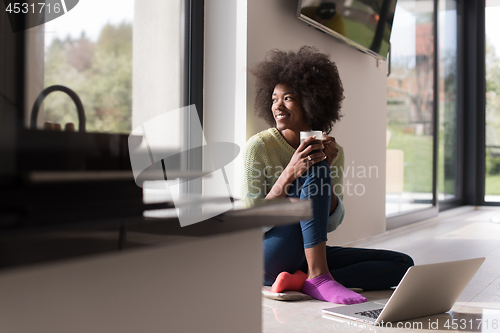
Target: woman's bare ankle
<point x="311" y="274"/>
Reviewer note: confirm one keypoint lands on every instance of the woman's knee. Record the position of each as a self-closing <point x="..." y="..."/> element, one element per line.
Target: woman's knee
<point x="318" y="180"/>
<point x="406" y="260"/>
<point x="402" y="262"/>
<point x="320" y="170"/>
<point x="398" y="258"/>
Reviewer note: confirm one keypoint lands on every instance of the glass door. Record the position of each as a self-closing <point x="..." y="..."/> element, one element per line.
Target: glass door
<point x="492" y="176"/>
<point x="410" y="109"/>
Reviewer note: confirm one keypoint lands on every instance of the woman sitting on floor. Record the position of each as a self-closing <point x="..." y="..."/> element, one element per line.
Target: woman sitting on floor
<point x="302" y="92"/>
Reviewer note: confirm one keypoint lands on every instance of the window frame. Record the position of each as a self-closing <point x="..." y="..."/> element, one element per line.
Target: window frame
<point x="193" y="86"/>
<point x="474" y="131"/>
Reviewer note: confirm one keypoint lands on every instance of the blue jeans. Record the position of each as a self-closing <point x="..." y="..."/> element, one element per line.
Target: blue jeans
<point x="352" y="267"/>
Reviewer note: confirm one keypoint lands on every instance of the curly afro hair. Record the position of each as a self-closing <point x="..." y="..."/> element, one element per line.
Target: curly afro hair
<point x="311" y="75"/>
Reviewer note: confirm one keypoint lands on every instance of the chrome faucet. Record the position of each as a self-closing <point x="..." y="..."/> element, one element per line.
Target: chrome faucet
<point x="70" y="93"/>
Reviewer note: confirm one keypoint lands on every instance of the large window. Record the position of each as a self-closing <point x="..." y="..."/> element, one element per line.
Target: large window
<point x="422" y="109"/>
<point x="124" y="58"/>
<point x="492" y="176"/>
<point x="90" y="51"/>
<point x="410" y="109"/>
<point x="131" y="63"/>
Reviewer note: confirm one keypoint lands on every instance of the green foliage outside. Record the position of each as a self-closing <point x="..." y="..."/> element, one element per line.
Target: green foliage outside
<point x="492" y="96"/>
<point x="418" y="162"/>
<point x="446" y="177"/>
<point x="492" y="164"/>
<point x="99" y="72"/>
<point x="418" y="149"/>
<point x="447" y="164"/>
<point x="417" y="159"/>
<point x="418" y="165"/>
<point x="492" y="184"/>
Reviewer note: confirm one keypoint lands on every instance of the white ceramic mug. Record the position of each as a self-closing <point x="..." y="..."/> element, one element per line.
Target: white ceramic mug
<point x="305" y="135"/>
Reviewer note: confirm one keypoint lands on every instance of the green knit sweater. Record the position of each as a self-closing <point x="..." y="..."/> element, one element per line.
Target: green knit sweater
<point x="267" y="154"/>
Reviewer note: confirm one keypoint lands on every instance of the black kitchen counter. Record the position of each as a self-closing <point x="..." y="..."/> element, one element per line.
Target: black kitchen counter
<point x="48" y="242"/>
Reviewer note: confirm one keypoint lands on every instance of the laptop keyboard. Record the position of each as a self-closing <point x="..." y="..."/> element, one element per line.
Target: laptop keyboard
<point x="370" y="314"/>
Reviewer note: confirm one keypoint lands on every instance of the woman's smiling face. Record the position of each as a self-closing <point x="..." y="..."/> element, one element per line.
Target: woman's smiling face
<point x="287" y="109"/>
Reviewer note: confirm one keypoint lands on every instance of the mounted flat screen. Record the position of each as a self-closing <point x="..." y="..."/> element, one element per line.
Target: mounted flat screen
<point x="364" y="24"/>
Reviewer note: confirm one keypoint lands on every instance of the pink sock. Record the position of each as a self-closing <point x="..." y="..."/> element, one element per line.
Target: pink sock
<point x="325" y="288"/>
<point x="287" y="281"/>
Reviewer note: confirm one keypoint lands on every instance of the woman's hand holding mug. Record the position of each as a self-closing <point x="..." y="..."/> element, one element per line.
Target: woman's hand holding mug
<point x="330" y="149"/>
<point x="309" y="152"/>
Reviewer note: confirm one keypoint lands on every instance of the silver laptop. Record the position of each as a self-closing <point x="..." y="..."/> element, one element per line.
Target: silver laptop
<point x="424" y="290"/>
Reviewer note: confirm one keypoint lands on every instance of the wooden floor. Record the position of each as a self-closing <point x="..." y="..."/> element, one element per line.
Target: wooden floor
<point x="462" y="233"/>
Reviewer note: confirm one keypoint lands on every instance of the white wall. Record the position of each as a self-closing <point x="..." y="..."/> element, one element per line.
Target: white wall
<point x="224" y="113"/>
<point x="272" y="24"/>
